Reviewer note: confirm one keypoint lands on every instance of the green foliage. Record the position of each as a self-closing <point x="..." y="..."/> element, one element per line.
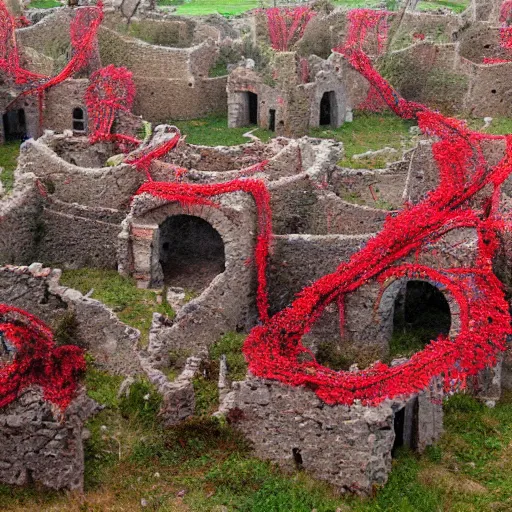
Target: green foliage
<point x="132" y="305"/>
<point x="457" y="6"/>
<point x="231" y="346"/>
<point x="219" y="69"/>
<point x="207" y="394"/>
<point x="9" y="160"/>
<point x="498" y="126"/>
<point x="469" y="470"/>
<point x="43" y="4"/>
<point x="214" y="131"/>
<point x="406" y="343"/>
<point x="102" y="386"/>
<point x="142" y="403"/>
<point x="368" y="132"/>
<point x="333" y="356"/>
<point x="235" y="7"/>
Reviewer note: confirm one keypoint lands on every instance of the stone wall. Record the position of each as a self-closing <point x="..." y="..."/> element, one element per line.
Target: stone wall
<point x="171" y="83"/>
<point x="81" y="208"/>
<point x="38" y="445"/>
<point x="20" y="226"/>
<point x="37" y="290"/>
<point x="294" y="99"/>
<point x="349" y="447"/>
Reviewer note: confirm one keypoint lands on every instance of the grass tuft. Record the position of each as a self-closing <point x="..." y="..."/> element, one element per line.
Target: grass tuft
<point x="9" y="160"/>
<point x="132" y="305"/>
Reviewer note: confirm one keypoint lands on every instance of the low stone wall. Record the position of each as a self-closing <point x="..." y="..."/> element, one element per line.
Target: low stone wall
<point x="37" y="290"/>
<point x="20" y="224"/>
<point x="38" y="445"/>
<point x="349" y="447"/>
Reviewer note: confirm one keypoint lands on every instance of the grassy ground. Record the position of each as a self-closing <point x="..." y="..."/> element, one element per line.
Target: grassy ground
<point x="132" y="305"/>
<point x="214" y="131"/>
<point x="132" y="463"/>
<point x="43" y="4"/>
<point x="366" y="132"/>
<point x="235" y="7"/>
<point x="369" y="132"/>
<point x="8" y="160"/>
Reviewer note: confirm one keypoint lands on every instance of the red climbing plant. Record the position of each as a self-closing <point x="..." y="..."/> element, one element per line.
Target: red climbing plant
<point x="35" y="360"/>
<point x="110" y="91"/>
<point x="506" y="21"/>
<point x="274" y="349"/>
<point x="190" y="194"/>
<point x="363" y="23"/>
<point x="83" y="31"/>
<point x="287" y="25"/>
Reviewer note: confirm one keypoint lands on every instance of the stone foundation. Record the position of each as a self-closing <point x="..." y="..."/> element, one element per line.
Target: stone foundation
<point x="40" y="446"/>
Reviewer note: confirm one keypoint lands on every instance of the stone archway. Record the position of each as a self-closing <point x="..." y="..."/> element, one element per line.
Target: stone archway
<point x="328" y="109"/>
<point x="191" y="252"/>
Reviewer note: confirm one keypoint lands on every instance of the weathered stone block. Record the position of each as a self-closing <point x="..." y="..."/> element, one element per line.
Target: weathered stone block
<point x="38" y="444"/>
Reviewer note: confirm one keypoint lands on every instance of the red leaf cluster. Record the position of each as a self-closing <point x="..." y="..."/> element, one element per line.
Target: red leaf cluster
<point x="36" y="360"/>
<point x="110" y="90"/>
<point x="287" y="25"/>
<point x="362" y="24"/>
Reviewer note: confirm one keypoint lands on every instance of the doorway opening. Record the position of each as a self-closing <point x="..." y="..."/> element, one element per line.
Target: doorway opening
<point x="253" y="107"/>
<point x="272" y="120"/>
<point x="421" y="315"/>
<point x="191" y="253"/>
<point x="15" y="125"/>
<point x="328" y="109"/>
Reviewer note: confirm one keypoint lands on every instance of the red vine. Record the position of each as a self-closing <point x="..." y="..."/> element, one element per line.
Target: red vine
<point x="287" y="25"/>
<point x="36" y="360"/>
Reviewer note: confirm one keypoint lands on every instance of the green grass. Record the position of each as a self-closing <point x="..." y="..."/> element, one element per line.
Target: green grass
<point x="43" y="4"/>
<point x="130" y="457"/>
<point x="457" y="6"/>
<point x="499" y="125"/>
<point x="214" y="131"/>
<point x="8" y="160"/>
<point x="235" y="7"/>
<point x="369" y="132"/>
<point x="132" y="305"/>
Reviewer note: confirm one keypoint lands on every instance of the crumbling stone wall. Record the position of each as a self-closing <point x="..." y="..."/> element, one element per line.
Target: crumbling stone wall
<point x="484" y="10"/>
<point x="350" y="447"/>
<point x="37" y="290"/>
<point x="82" y="208"/>
<point x="281" y="89"/>
<point x="38" y="445"/>
<point x="171" y="83"/>
<point x="226" y="303"/>
<point x="20" y="226"/>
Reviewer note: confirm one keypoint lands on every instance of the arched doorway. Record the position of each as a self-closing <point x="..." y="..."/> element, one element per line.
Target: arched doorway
<point x="191" y="252"/>
<point x="15" y="125"/>
<point x="421" y="314"/>
<point x="328" y="109"/>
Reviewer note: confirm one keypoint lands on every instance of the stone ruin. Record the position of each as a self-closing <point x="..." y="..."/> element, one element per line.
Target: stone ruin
<point x="313" y="219"/>
<point x="38" y="445"/>
<point x="72" y="207"/>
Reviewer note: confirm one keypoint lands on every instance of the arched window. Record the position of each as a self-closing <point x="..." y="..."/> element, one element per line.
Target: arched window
<point x="79" y="120"/>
